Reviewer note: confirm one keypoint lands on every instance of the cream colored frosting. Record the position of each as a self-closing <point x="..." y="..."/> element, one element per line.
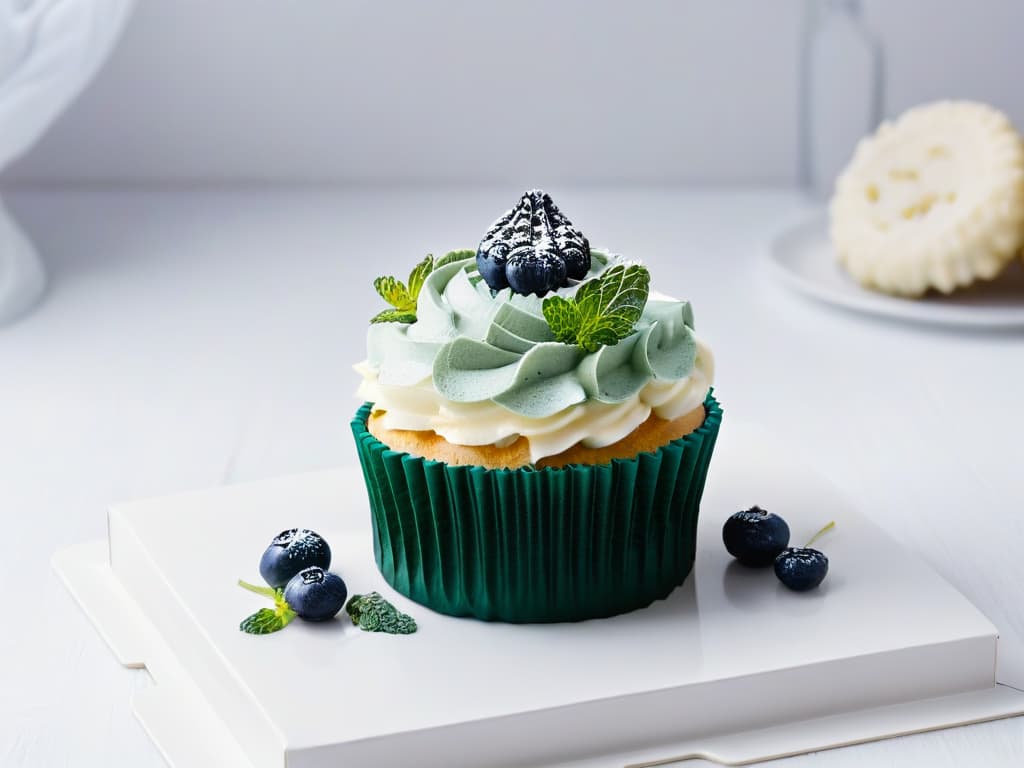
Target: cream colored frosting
<point x="483" y="368"/>
<point x="592" y="423"/>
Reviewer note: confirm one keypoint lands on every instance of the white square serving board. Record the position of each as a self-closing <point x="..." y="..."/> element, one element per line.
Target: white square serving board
<point x="732" y="667"/>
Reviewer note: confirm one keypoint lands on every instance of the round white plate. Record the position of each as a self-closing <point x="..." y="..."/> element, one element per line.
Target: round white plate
<point x="803" y="258"/>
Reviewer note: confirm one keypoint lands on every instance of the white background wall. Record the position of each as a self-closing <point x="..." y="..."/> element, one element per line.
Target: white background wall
<point x="530" y="92"/>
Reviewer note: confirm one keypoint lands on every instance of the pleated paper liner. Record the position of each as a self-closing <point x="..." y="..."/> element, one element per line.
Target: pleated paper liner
<point x="537" y="545"/>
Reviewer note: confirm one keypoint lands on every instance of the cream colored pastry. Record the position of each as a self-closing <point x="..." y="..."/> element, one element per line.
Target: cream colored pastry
<point x="932" y="200"/>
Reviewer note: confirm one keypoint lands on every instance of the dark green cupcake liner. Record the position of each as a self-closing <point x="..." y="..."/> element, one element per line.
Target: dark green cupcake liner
<point x="537" y="545"/>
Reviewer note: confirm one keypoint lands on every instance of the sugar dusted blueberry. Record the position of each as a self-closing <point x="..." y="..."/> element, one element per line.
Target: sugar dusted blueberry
<point x="533" y="248"/>
<point x="532" y="272"/>
<point x="755" y="536"/>
<point x="315" y="594"/>
<point x="577" y="262"/>
<point x="491" y="264"/>
<point x="801" y="568"/>
<point x="290" y="552"/>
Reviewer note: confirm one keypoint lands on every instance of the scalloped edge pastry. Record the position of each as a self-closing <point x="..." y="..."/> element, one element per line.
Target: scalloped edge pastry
<point x="932" y="200"/>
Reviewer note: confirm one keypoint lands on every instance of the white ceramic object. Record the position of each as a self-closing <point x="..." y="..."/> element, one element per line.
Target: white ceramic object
<point x="49" y="50"/>
<point x="804" y="259"/>
<point x="732" y="667"/>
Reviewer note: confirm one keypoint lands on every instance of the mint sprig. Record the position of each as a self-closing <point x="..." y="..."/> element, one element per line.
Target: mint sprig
<point x="452" y="256"/>
<point x="402" y="296"/>
<point x="263" y="622"/>
<point x="372" y="613"/>
<point x="604" y="310"/>
<point x="394" y="316"/>
<point x="267" y="620"/>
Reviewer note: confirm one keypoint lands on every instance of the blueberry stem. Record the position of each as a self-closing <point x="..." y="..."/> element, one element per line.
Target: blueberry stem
<point x="265" y="591"/>
<point x="819" y="534"/>
<point x="281" y="607"/>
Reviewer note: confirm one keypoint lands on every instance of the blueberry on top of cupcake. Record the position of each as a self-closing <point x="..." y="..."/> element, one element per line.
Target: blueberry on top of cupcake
<point x="533" y="248"/>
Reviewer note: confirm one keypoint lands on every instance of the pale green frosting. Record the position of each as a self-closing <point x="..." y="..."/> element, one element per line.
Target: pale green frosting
<point x="477" y="346"/>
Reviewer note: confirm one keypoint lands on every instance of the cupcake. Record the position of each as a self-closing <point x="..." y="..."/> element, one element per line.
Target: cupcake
<point x="537" y="428"/>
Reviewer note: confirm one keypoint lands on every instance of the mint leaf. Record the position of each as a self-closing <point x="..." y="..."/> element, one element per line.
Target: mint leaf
<point x="563" y="315"/>
<point x="372" y="613"/>
<point x="267" y="620"/>
<point x="604" y="310"/>
<point x="453" y="256"/>
<point x="611" y="305"/>
<point x="394" y="292"/>
<point x="403" y="297"/>
<point x="394" y="316"/>
<point x="418" y="275"/>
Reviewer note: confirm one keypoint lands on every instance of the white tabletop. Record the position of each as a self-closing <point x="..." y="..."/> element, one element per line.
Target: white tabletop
<point x="199" y="337"/>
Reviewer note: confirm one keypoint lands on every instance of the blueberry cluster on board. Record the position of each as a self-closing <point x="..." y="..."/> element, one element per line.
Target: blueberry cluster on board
<point x="758" y="538"/>
<point x="295" y="566"/>
<point x="533" y="248"/>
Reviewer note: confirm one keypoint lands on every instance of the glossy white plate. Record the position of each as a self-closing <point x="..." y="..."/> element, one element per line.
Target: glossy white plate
<point x="732" y="667"/>
<point x="804" y="259"/>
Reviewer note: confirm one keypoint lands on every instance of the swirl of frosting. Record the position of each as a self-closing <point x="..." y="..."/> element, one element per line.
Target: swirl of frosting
<point x="482" y="367"/>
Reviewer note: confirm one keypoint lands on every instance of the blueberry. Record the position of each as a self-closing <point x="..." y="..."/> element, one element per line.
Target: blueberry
<point x="755" y="537"/>
<point x="491" y="263"/>
<point x="290" y="552"/>
<point x="531" y="272"/>
<point x="801" y="568"/>
<point x="316" y="595"/>
<point x="536" y="227"/>
<point x="577" y="260"/>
